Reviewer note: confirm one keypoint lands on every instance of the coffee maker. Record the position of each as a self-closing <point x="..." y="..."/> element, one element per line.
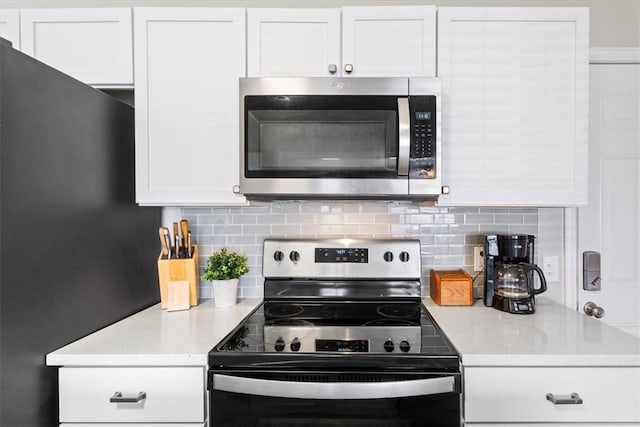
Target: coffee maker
<point x="509" y="273"/>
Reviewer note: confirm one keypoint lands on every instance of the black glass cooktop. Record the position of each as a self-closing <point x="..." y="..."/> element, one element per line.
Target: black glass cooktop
<point x="354" y="327"/>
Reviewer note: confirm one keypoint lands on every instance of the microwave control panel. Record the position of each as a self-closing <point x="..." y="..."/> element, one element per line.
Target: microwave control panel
<point x="422" y="158"/>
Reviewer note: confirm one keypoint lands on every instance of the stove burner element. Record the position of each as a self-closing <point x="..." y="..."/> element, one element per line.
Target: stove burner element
<point x="399" y="311"/>
<point x="283" y="310"/>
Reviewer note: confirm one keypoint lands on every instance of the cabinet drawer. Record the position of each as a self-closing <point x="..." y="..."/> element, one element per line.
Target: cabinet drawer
<point x="172" y="394"/>
<point x="519" y="394"/>
<point x="132" y="425"/>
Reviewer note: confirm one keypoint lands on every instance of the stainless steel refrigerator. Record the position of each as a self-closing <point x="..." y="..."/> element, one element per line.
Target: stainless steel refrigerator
<point x="76" y="252"/>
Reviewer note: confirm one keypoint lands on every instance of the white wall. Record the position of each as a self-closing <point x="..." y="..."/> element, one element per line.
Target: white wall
<point x="614" y="23"/>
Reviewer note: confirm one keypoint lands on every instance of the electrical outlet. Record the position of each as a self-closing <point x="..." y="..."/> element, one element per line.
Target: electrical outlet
<point x="551" y="268"/>
<point x="478" y="258"/>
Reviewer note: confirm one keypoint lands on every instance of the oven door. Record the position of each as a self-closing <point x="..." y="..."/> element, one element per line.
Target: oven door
<point x="273" y="398"/>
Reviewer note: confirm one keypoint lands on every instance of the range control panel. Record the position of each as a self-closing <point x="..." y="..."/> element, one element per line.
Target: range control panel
<point x="342" y="258"/>
<point x="360" y="255"/>
<point x="422" y="159"/>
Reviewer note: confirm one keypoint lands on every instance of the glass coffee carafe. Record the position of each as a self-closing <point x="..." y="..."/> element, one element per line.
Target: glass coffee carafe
<point x="516" y="280"/>
<point x="509" y="273"/>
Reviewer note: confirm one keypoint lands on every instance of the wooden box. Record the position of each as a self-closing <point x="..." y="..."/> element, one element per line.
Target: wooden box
<point x="178" y="269"/>
<point x="451" y="287"/>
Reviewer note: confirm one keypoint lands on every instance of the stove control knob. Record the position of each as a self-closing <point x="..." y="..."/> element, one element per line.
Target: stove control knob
<point x="294" y="256"/>
<point x="388" y="346"/>
<point x="388" y="256"/>
<point x="278" y="256"/>
<point x="404" y="256"/>
<point x="279" y="344"/>
<point x="405" y="346"/>
<point x="295" y="344"/>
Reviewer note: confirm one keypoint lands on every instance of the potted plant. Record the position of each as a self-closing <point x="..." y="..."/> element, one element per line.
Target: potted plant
<point x="224" y="269"/>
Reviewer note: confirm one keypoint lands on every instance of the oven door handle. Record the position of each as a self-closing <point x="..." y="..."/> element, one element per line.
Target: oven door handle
<point x="335" y="390"/>
<point x="404" y="136"/>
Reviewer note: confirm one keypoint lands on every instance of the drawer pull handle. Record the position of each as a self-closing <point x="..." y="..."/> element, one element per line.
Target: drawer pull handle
<point x="119" y="398"/>
<point x="573" y="399"/>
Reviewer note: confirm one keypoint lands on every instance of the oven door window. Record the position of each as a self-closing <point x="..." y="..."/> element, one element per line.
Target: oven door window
<point x="321" y="136"/>
<point x="255" y="405"/>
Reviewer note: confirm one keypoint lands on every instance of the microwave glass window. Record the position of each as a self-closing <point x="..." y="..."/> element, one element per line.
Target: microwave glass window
<point x="306" y="142"/>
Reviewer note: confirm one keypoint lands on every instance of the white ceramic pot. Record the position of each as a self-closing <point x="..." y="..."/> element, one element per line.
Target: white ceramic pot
<point x="225" y="292"/>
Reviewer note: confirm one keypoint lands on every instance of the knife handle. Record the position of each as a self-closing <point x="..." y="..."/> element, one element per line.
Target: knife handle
<point x="167" y="239"/>
<point x="163" y="242"/>
<point x="189" y="248"/>
<point x="175" y="229"/>
<point x="177" y="245"/>
<point x="184" y="229"/>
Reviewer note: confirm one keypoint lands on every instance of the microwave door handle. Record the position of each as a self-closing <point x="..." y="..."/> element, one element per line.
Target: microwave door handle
<point x="335" y="390"/>
<point x="404" y="136"/>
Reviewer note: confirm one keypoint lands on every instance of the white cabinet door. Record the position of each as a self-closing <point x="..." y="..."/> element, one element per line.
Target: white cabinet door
<point x="93" y="45"/>
<point x="397" y="41"/>
<point x="293" y="42"/>
<point x="521" y="394"/>
<point x="515" y="105"/>
<point x="188" y="61"/>
<point x="10" y="26"/>
<point x="159" y="394"/>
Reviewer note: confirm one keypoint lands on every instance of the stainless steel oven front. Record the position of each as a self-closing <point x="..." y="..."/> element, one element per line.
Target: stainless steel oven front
<point x="334" y="398"/>
<point x="340" y="138"/>
<point x="341" y="339"/>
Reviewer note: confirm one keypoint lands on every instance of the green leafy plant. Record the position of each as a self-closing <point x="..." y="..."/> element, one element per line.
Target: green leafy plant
<point x="225" y="265"/>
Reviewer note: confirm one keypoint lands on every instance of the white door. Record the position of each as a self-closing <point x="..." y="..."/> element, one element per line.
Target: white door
<point x="610" y="223"/>
<point x="388" y="41"/>
<point x="293" y="42"/>
<point x="188" y="62"/>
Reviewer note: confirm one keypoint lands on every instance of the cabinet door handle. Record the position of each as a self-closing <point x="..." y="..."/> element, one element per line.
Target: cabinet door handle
<point x="348" y="68"/>
<point x="118" y="397"/>
<point x="573" y="399"/>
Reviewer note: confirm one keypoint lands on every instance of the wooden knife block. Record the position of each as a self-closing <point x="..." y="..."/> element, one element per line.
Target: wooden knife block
<point x="178" y="269"/>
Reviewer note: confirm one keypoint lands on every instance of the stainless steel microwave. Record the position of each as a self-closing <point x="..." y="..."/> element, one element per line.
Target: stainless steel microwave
<point x="344" y="138"/>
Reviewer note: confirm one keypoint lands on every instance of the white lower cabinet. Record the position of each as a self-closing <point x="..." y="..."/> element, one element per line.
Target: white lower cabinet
<point x="131" y="425"/>
<point x="159" y="395"/>
<point x="519" y="395"/>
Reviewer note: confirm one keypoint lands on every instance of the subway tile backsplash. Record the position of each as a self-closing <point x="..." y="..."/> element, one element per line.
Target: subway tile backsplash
<point x="447" y="235"/>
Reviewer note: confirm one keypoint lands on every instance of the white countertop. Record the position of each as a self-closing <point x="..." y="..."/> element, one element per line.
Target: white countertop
<point x="156" y="337"/>
<point x="553" y="335"/>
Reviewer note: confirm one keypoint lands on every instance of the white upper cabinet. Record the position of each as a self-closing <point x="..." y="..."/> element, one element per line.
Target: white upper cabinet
<point x="293" y="42"/>
<point x="384" y="41"/>
<point x="515" y="105"/>
<point x="10" y="26"/>
<point x="187" y="65"/>
<point x="93" y="45"/>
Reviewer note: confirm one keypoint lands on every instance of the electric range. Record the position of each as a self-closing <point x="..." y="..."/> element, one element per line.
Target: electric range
<point x="342" y="332"/>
